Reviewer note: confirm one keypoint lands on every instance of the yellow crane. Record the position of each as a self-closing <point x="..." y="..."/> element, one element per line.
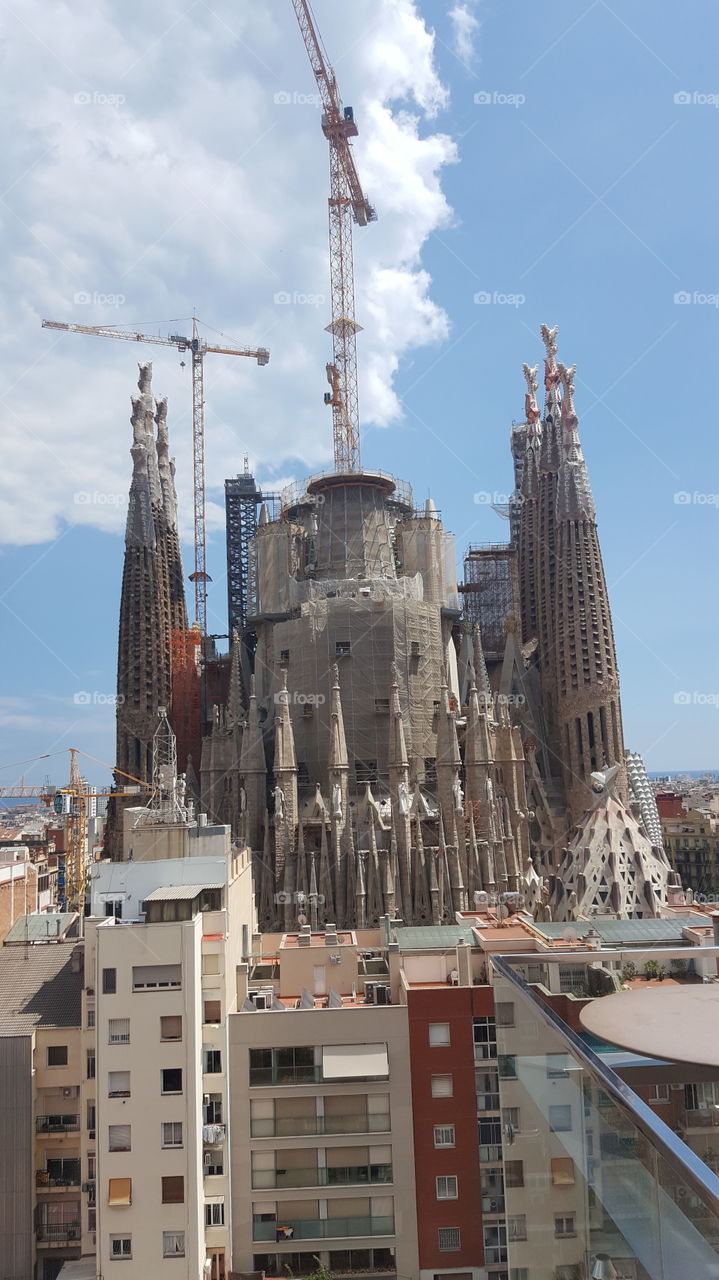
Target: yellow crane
<point x="72" y="802"/>
<point x="198" y="348"/>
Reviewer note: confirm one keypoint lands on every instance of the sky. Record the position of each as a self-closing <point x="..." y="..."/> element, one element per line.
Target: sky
<point x="528" y="165"/>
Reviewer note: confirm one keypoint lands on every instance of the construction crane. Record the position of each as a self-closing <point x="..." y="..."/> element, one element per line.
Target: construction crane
<point x="347" y="203"/>
<point x="198" y="348"/>
<point x="72" y="803"/>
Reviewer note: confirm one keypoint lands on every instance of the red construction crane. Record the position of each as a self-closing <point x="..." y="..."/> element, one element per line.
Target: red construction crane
<point x="347" y="202"/>
<point x="198" y="347"/>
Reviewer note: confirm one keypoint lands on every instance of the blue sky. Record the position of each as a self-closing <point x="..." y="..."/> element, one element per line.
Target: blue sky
<point x="583" y="187"/>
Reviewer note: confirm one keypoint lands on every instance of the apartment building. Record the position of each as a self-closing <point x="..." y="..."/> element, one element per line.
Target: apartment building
<point x="322" y="1153"/>
<point x="43" y="1194"/>
<point x="163" y="945"/>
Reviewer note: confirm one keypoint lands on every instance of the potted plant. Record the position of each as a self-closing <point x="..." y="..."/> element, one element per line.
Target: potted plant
<point x="629" y="971"/>
<point x="651" y="970"/>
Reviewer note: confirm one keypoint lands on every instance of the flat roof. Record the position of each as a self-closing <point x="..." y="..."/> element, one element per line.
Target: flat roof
<point x="435" y="937"/>
<point x="618" y="932"/>
<point x="174" y="892"/>
<point x="676" y="1024"/>
<point x="291" y="940"/>
<point x="41" y="928"/>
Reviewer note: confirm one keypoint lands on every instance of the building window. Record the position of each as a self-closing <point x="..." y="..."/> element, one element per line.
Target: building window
<point x="212" y="1011"/>
<point x="507" y="1066"/>
<point x="284" y="655"/>
<point x="172" y="1133"/>
<point x="446" y="1187"/>
<point x="109" y="982"/>
<point x="171" y="1078"/>
<point x="495" y="1244"/>
<point x="510" y="1119"/>
<point x="213" y="1165"/>
<point x="119" y="1191"/>
<point x="564" y="1225"/>
<point x="173" y="1244"/>
<point x="118" y="1084"/>
<point x="210" y="963"/>
<point x="504" y="1013"/>
<point x="156" y="977"/>
<point x="57" y="1055"/>
<point x="560" y="1119"/>
<point x="557" y="1066"/>
<point x="91" y="1064"/>
<point x="442" y="1087"/>
<point x="438" y="1034"/>
<point x="215" y="1214"/>
<point x="211" y="1061"/>
<point x="513" y="1173"/>
<point x="449" y="1239"/>
<point x="173" y="1189"/>
<point x="519" y="1273"/>
<point x="517" y="1227"/>
<point x="444" y="1135"/>
<point x="485" y="1038"/>
<point x="490" y="1140"/>
<point x="659" y="1093"/>
<point x="572" y="977"/>
<point x="120" y="1247"/>
<point x="171" y="1027"/>
<point x="119" y="1137"/>
<point x="119" y="1031"/>
<point x="90" y="1019"/>
<point x="212" y="1109"/>
<point x="342" y="648"/>
<point x="562" y="1168"/>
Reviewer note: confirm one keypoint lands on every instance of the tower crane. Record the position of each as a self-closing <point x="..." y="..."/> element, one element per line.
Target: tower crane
<point x="72" y="803"/>
<point x="198" y="348"/>
<point x="347" y="203"/>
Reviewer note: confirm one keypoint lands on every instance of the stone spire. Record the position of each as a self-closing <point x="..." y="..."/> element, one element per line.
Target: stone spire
<point x="254" y="771"/>
<point x="285" y="773"/>
<point x="528" y="549"/>
<point x="399" y="791"/>
<point x="574" y="495"/>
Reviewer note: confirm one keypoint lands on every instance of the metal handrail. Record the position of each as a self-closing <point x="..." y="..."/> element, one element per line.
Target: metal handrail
<point x="683" y="1160"/>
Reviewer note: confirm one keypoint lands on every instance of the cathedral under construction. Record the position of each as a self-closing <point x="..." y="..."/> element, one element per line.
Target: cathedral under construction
<point x="386" y="740"/>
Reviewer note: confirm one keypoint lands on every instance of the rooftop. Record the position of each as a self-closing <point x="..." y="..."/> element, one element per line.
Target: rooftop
<point x="436" y="937"/>
<point x="177" y="892"/>
<point x="46" y="927"/>
<point x="340" y="939"/>
<point x="621" y="932"/>
<point x="39" y="987"/>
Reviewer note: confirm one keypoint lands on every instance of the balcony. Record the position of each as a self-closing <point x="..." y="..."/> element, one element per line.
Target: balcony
<point x="49" y="1233"/>
<point x="213" y="1134"/>
<point x="70" y="1177"/>
<point x="322" y="1228"/>
<point x="262" y="1076"/>
<point x="57" y="1124"/>
<point x="298" y="1126"/>
<point x="337" y="1176"/>
<point x="493" y="1204"/>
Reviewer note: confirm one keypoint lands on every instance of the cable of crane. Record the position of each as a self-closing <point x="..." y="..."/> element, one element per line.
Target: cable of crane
<point x="46" y="756"/>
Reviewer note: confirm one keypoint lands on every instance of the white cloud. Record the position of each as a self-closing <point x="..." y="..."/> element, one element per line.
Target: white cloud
<point x="199" y="190"/>
<point x="465" y="29"/>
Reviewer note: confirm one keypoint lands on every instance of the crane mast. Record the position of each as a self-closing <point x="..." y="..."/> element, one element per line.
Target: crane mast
<point x="347" y="203"/>
<point x="198" y="348"/>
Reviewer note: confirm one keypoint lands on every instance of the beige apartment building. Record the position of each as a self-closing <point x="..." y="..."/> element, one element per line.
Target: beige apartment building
<point x="322" y="1153"/>
<point x="163" y="963"/>
<point x="43" y="1139"/>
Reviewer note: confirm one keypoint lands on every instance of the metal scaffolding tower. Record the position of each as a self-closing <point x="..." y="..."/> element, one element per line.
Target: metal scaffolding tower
<point x="242" y="500"/>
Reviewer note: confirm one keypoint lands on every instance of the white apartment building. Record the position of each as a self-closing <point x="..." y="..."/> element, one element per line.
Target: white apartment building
<point x="162" y="949"/>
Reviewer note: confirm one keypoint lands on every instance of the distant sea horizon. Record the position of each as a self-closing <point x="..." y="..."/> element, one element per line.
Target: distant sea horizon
<point x="654" y="774"/>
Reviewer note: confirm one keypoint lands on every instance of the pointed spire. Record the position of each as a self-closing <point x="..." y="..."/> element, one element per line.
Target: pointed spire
<point x="398" y="758"/>
<point x="285" y="759"/>
<point x="235" y="699"/>
<point x="164" y="464"/>
<point x="574" y="494"/>
<point x="140" y="526"/>
<point x="338" y="758"/>
<point x="550" y="453"/>
<point x="478" y="748"/>
<point x="430" y="509"/>
<point x="480" y="666"/>
<point x="264" y="514"/>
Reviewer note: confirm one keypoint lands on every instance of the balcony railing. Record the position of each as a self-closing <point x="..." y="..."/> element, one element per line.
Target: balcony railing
<point x="57" y="1124"/>
<point x="337" y="1176"/>
<point x="57" y="1232"/>
<point x="322" y="1228"/>
<point x="71" y="1178"/>
<point x="285" y="1075"/>
<point x="298" y="1126"/>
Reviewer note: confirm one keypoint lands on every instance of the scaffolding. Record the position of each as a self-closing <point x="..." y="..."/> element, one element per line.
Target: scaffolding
<point x="491" y="592"/>
<point x="242" y="499"/>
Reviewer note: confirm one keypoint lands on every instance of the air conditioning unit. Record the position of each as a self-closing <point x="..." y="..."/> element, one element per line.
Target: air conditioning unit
<point x="382" y="993"/>
<point x="69" y="1092"/>
<point x="369" y="992"/>
<point x="260" y="1000"/>
<point x="208" y="1158"/>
